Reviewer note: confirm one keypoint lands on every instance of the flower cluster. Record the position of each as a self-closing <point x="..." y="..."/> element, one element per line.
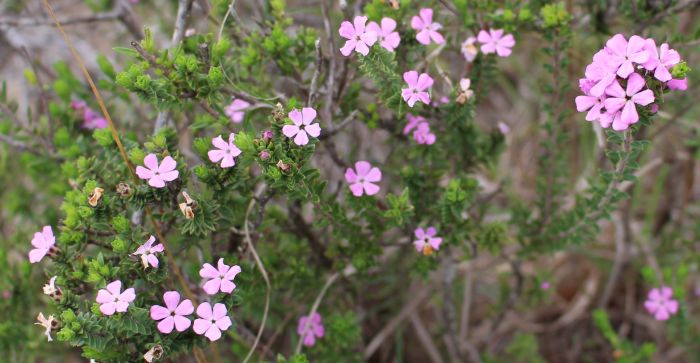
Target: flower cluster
<point x="91" y="119"/>
<point x="421" y="129"/>
<point x="622" y="77"/>
<point x="492" y="41"/>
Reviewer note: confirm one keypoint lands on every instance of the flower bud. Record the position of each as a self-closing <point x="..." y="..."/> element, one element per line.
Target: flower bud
<point x="264" y="155"/>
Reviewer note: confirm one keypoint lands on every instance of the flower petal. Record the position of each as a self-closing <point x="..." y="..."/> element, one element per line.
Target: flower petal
<point x="159" y="312"/>
<point x="151" y="162"/>
<point x="166" y="325"/>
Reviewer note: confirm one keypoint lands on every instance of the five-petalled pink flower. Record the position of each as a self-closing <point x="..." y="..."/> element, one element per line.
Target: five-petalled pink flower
<point x="236" y="110"/>
<point x="363" y="178"/>
<point x="310" y="329"/>
<point x="157" y="174"/>
<point x="661" y="60"/>
<point x="426" y="241"/>
<point x="112" y="299"/>
<point x="426" y="28"/>
<point x="359" y="37"/>
<point x="220" y="278"/>
<point x="623" y="54"/>
<point x="225" y="152"/>
<point x="417" y="88"/>
<point x="387" y="36"/>
<point x="211" y="321"/>
<point x="148" y="251"/>
<point x="302" y="127"/>
<point x="627" y="100"/>
<point x="44" y="243"/>
<point x="660" y="303"/>
<point x="173" y="314"/>
<point x="493" y="41"/>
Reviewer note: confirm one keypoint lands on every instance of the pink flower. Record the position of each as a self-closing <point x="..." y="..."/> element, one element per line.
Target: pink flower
<point x="599" y="74"/>
<point x="44" y="242"/>
<point x="545" y="285"/>
<point x="592" y="104"/>
<point x="220" y="279"/>
<point x="225" y="151"/>
<point x="267" y="135"/>
<point x="660" y="303"/>
<point x="422" y="135"/>
<point x="426" y="241"/>
<point x="156" y="174"/>
<point x="626" y="100"/>
<point x="235" y="110"/>
<point x="112" y="299"/>
<point x="362" y="179"/>
<point x="426" y="28"/>
<point x="358" y="37"/>
<point x="386" y="34"/>
<point x="148" y="251"/>
<point x="493" y="41"/>
<point x="413" y="122"/>
<point x="302" y="126"/>
<point x="417" y="86"/>
<point x="503" y="128"/>
<point x="469" y="49"/>
<point x="310" y="329"/>
<point x="623" y="54"/>
<point x="661" y="61"/>
<point x="678" y="84"/>
<point x="92" y="120"/>
<point x="211" y="321"/>
<point x="78" y="105"/>
<point x="173" y="314"/>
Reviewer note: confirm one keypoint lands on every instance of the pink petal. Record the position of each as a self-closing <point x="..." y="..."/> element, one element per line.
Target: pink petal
<point x="488" y="48"/>
<point x="507" y="41"/>
<point x="672" y="306"/>
<point x="662" y="314"/>
<point x="308" y="114"/>
<point x="159" y="313"/>
<point x="411" y="78"/>
<point x="228" y="161"/>
<point x="356" y="189"/>
<point x="211" y="287"/>
<point x="629" y="113"/>
<point x="156" y="181"/>
<point x="643" y="98"/>
<point x="435" y="242"/>
<point x="290" y="130"/>
<point x="171" y="298"/>
<point x="108" y="308"/>
<point x="219" y="143"/>
<point x="37" y="254"/>
<point x="427" y="15"/>
<point x="502" y="51"/>
<point x="362" y="48"/>
<point x="185" y="308"/>
<point x="227" y="286"/>
<point x="635" y="83"/>
<point x="301" y="138"/>
<point x="374" y="175"/>
<point x="625" y="69"/>
<point x="615" y="90"/>
<point x="213" y="333"/>
<point x="201" y="325"/>
<point x="362" y="168"/>
<point x="115" y="288"/>
<point x="143" y="173"/>
<point x="128" y="295"/>
<point x="669" y="57"/>
<point x="350" y="175"/>
<point x="374" y="27"/>
<point x="424" y="82"/>
<point x="369" y="37"/>
<point x="309" y="339"/>
<point x="151" y="162"/>
<point x="662" y="74"/>
<point x="594" y="113"/>
<point x="204" y="311"/>
<point x="296" y="117"/>
<point x="167" y="165"/>
<point x="348" y="47"/>
<point x="483" y="37"/>
<point x="651" y="306"/>
<point x="419" y="244"/>
<point x="224" y="323"/>
<point x="678" y="84"/>
<point x="437" y="37"/>
<point x="157" y="248"/>
<point x="388" y="26"/>
<point x="208" y="271"/>
<point x="584" y="103"/>
<point x="666" y="292"/>
<point x="219" y="311"/>
<point x="359" y="23"/>
<point x="232" y="272"/>
<point x="423" y="37"/>
<point x="103" y="297"/>
<point x="391" y="41"/>
<point x="346" y="30"/>
<point x="371" y="189"/>
<point x="153" y="260"/>
<point x="617" y="45"/>
<point x="313" y="130"/>
<point x="417" y="23"/>
<point x="181" y="323"/>
<point x="170" y="175"/>
<point x="166" y="325"/>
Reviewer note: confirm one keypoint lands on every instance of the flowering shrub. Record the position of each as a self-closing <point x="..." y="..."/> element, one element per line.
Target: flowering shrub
<point x="362" y="181"/>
